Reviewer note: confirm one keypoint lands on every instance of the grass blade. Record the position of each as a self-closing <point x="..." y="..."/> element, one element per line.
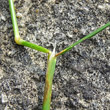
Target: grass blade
<point x="84" y="38"/>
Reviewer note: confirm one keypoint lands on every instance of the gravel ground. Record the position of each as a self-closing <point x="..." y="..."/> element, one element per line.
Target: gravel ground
<point x="82" y="76"/>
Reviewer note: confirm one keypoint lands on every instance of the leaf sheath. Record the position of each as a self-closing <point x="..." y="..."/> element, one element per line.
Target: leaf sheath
<point x="48" y="83"/>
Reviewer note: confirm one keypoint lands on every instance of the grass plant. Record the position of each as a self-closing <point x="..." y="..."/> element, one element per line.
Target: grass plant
<point x="52" y="57"/>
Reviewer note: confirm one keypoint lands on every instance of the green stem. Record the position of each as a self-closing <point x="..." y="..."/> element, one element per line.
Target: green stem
<point x="34" y="46"/>
<point x="48" y="83"/>
<point x="17" y="38"/>
<point x="84" y="38"/>
<point x="14" y="21"/>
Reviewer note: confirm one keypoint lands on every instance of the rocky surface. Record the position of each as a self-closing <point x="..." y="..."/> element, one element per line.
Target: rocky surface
<point x="82" y="76"/>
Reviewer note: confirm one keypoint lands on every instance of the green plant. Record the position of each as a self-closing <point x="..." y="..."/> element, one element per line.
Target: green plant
<point x="51" y="55"/>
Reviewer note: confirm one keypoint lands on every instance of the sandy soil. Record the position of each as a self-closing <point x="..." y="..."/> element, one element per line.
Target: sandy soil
<point x="82" y="76"/>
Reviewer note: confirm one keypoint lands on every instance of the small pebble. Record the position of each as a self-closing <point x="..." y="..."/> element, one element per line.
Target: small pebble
<point x="3" y="18"/>
<point x="6" y="108"/>
<point x="19" y="15"/>
<point x="4" y="98"/>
